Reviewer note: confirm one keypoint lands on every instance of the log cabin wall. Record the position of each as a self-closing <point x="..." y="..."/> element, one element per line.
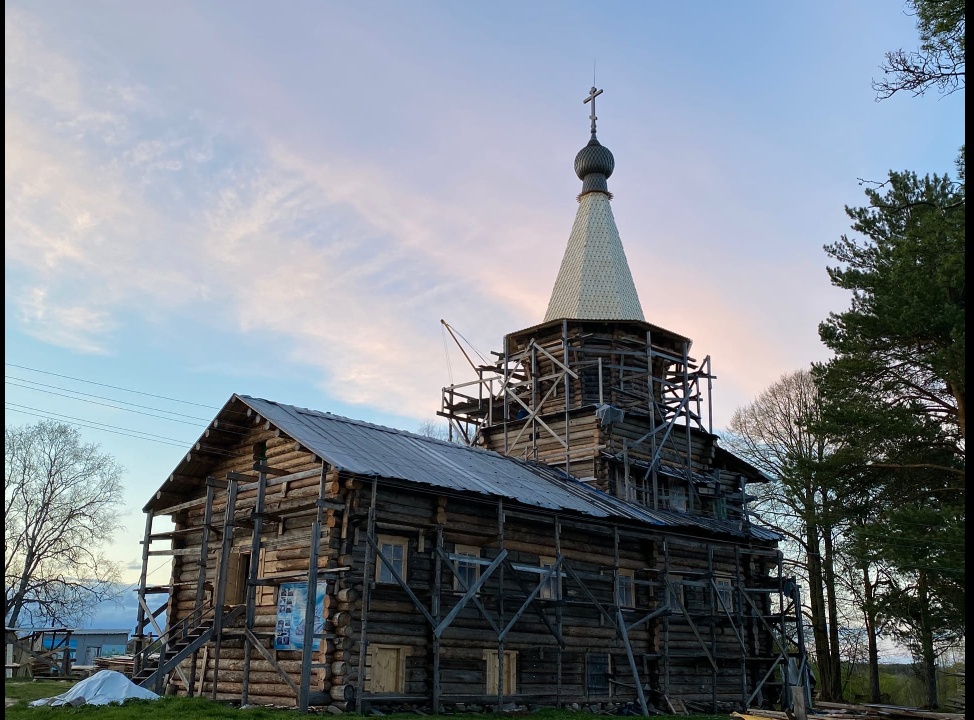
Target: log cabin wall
<point x="671" y="657"/>
<point x="681" y="588"/>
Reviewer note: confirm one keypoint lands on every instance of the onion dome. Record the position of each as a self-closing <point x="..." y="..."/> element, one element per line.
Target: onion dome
<point x="593" y="165"/>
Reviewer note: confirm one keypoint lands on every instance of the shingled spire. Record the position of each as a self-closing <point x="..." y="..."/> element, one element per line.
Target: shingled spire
<point x="594" y="281"/>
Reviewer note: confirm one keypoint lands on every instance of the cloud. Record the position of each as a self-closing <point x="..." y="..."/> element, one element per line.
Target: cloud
<point x="346" y="270"/>
<point x="126" y="209"/>
<point x="67" y="326"/>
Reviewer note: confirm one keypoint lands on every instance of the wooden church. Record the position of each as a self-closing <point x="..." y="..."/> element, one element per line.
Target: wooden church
<point x="583" y="539"/>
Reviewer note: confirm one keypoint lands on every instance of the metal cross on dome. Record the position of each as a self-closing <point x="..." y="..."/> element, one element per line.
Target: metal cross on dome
<point x="592" y="94"/>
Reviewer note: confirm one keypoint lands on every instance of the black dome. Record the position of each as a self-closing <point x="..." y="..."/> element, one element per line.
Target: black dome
<point x="594" y="158"/>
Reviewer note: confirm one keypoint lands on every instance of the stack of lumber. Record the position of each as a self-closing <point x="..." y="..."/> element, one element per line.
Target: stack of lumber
<point x="845" y="711"/>
<point x="837" y="711"/>
<point x="956" y="703"/>
<point x="124" y="664"/>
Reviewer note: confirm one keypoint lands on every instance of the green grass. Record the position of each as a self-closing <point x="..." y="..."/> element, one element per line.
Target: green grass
<point x="179" y="708"/>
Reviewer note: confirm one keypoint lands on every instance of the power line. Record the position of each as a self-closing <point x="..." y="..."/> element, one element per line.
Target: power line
<point x="114" y="407"/>
<point x="100" y="397"/>
<point x="128" y="432"/>
<point x="113" y="387"/>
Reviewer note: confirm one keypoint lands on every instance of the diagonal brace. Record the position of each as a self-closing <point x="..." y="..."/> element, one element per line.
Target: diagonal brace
<point x="540" y="610"/>
<point x="463" y="584"/>
<point x="439" y="629"/>
<point x="402" y="583"/>
<point x="530" y="601"/>
<point x="605" y="613"/>
<point x="693" y="625"/>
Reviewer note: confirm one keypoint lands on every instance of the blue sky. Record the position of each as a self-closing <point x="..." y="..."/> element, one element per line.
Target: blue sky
<point x="284" y="200"/>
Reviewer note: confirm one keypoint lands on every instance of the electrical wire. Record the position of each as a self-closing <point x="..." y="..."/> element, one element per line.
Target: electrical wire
<point x="113" y="387"/>
<point x="100" y="397"/>
<point x="108" y="405"/>
<point x="94" y="425"/>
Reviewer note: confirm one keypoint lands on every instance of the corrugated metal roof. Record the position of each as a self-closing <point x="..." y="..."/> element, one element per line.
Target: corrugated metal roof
<point x="373" y="450"/>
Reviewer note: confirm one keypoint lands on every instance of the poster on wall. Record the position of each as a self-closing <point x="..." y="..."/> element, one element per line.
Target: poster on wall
<point x="292" y="599"/>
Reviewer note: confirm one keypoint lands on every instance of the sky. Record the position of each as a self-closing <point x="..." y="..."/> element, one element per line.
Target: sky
<point x="284" y="200"/>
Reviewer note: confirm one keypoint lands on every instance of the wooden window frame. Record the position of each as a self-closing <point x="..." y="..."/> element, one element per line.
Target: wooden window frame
<point x="380" y="567"/>
<point x="725" y="589"/>
<point x="631" y="576"/>
<point x="678" y="489"/>
<point x="552" y="589"/>
<point x="467" y="551"/>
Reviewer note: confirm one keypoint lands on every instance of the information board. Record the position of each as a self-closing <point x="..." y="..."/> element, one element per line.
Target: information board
<point x="292" y="599"/>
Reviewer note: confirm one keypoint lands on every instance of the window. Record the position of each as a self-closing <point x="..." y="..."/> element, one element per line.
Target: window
<point x="465" y="563"/>
<point x="388" y="668"/>
<point x="625" y="589"/>
<point x="394" y="550"/>
<point x="689" y="593"/>
<point x="551" y="590"/>
<point x="678" y="496"/>
<point x="597" y="670"/>
<point x="510" y="671"/>
<point x="694" y="595"/>
<point x="725" y="593"/>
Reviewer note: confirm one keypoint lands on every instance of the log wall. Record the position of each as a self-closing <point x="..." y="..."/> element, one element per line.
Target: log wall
<point x="670" y="652"/>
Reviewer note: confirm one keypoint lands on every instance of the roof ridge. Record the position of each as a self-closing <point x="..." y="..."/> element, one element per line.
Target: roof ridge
<point x="363" y="423"/>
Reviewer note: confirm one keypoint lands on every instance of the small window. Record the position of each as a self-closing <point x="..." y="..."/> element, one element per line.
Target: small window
<point x="694" y="596"/>
<point x="678" y="496"/>
<point x="510" y="671"/>
<point x="686" y="595"/>
<point x="725" y="593"/>
<point x="625" y="589"/>
<point x="597" y="670"/>
<point x="394" y="549"/>
<point x="465" y="563"/>
<point x="551" y="590"/>
<point x="388" y="668"/>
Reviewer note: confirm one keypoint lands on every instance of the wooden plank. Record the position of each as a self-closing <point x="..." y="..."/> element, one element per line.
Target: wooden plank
<point x="632" y="663"/>
<point x="265" y="653"/>
<point x="263" y="468"/>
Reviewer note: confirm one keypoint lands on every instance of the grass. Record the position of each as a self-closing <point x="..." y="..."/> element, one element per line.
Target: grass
<point x="180" y="708"/>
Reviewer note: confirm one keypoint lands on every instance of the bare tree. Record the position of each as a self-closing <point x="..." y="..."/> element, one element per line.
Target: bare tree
<point x="438" y="431"/>
<point x="61" y="502"/>
<point x="940" y="61"/>
<point x="776" y="433"/>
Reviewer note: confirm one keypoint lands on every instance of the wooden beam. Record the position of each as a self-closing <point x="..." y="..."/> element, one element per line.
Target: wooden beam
<point x="261" y="467"/>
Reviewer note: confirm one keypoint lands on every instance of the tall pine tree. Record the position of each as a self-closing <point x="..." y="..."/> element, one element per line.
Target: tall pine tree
<point x="895" y="395"/>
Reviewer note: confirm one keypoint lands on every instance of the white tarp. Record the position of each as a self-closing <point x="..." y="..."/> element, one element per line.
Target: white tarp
<point x="105" y="686"/>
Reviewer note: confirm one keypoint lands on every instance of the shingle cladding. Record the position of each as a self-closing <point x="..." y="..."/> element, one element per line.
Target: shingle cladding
<point x="594" y="281"/>
<point x="374" y="450"/>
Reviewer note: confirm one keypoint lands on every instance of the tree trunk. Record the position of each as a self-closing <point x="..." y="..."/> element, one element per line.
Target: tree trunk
<point x="832" y="603"/>
<point x="929" y="657"/>
<point x="869" y="611"/>
<point x="816" y="602"/>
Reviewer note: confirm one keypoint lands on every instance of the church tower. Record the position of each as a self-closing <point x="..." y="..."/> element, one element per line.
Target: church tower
<point x="595" y="389"/>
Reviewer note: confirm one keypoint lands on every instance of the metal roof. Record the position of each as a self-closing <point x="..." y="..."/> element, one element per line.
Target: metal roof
<point x="373" y="450"/>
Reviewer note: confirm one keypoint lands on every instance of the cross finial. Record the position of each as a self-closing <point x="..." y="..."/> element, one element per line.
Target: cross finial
<point x="592" y="94"/>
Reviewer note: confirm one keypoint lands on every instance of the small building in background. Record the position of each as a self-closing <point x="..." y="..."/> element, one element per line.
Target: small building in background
<point x="58" y="650"/>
